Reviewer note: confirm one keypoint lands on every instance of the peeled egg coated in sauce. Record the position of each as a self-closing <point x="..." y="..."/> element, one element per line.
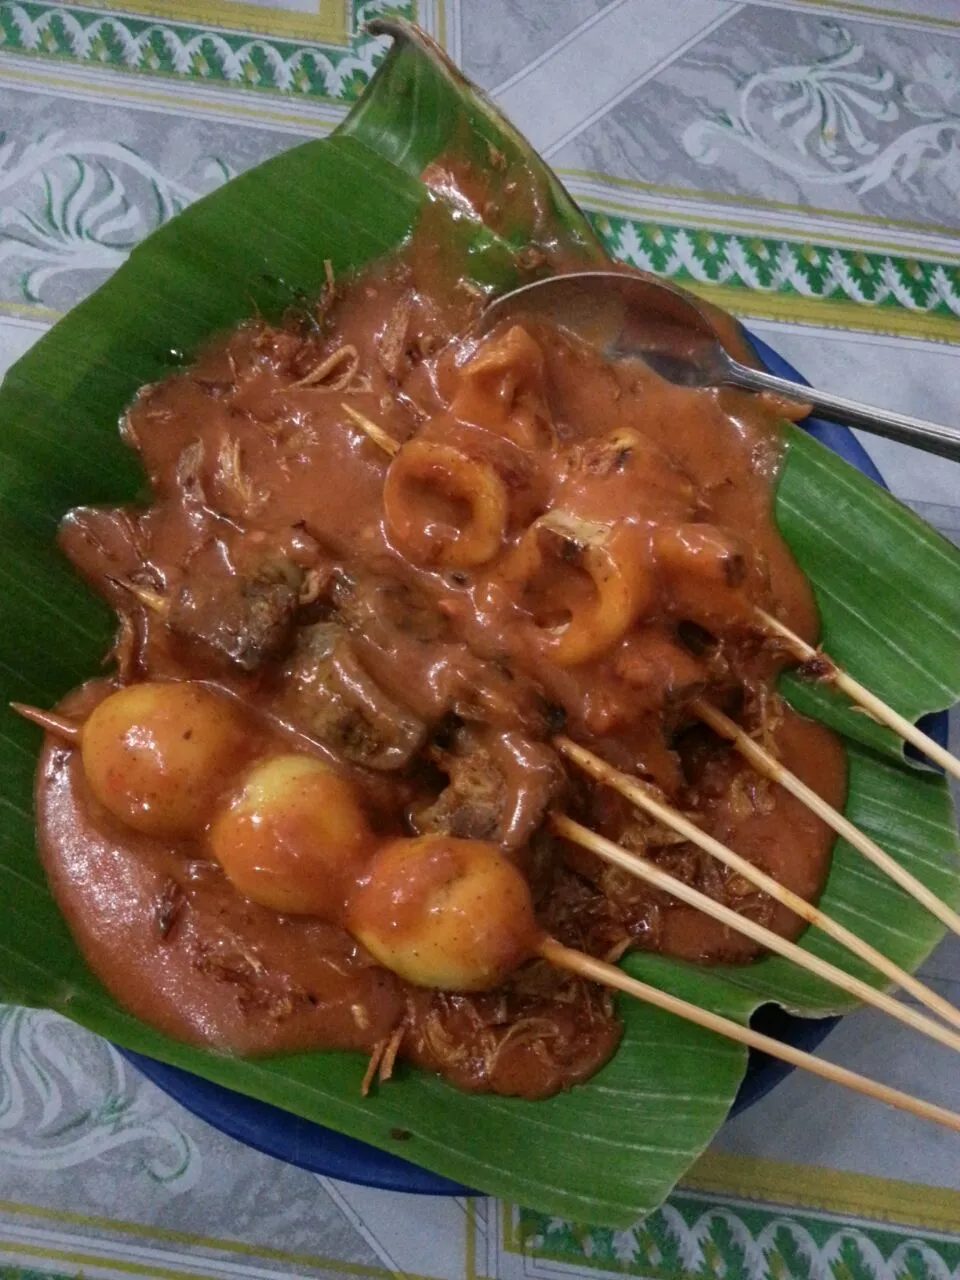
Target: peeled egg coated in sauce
<point x="158" y="755"/>
<point x="294" y="837"/>
<point x="446" y="913"/>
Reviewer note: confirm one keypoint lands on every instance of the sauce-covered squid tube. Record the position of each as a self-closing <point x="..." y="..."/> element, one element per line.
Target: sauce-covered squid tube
<point x="502" y="388"/>
<point x="709" y="575"/>
<point x="443" y="507"/>
<point x="581" y="582"/>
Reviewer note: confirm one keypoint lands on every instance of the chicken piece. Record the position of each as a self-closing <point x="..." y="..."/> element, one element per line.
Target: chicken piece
<point x="329" y="694"/>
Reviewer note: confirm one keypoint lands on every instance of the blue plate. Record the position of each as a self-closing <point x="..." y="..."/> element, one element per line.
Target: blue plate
<point x="300" y="1142"/>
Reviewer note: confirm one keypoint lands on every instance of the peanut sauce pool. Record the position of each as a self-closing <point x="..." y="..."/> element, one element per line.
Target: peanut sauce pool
<point x="540" y="542"/>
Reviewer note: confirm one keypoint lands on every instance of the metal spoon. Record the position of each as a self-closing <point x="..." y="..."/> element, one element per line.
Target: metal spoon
<point x="639" y="316"/>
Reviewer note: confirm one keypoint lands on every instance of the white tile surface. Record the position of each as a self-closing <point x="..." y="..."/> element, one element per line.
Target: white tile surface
<point x="905" y="374"/>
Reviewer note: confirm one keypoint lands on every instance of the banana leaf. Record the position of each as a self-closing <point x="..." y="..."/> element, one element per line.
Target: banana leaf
<point x="888" y="589"/>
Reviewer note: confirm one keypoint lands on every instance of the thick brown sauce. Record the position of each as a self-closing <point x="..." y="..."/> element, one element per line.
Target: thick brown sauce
<point x="436" y="674"/>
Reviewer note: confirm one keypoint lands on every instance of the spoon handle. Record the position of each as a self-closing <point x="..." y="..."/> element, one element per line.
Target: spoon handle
<point x="895" y="426"/>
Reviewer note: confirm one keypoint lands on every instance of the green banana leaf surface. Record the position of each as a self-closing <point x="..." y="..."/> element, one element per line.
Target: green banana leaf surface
<point x="888" y="589"/>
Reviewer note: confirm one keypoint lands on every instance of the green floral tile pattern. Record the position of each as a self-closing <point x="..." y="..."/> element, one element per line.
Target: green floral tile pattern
<point x="22" y="1273"/>
<point x="191" y="52"/>
<point x="749" y="263"/>
<point x="777" y="266"/>
<point x="695" y="1238"/>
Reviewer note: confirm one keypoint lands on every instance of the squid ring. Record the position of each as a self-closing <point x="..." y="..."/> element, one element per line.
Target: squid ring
<point x="710" y="575"/>
<point x="588" y="583"/>
<point x="501" y="388"/>
<point x="442" y="507"/>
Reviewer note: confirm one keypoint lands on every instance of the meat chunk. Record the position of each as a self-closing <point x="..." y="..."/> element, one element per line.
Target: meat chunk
<point x="409" y="646"/>
<point x="499" y="788"/>
<point x="239" y="622"/>
<point x="328" y="693"/>
<point x="471" y="804"/>
<point x="657" y="669"/>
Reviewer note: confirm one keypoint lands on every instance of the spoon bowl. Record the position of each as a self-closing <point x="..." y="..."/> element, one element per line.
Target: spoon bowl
<point x="636" y="316"/>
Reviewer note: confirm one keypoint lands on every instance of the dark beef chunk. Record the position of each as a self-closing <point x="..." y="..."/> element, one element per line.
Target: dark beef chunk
<point x="329" y="694"/>
<point x="472" y="804"/>
<point x="499" y="787"/>
<point x="386" y="608"/>
<point x="392" y="622"/>
<point x="240" y="622"/>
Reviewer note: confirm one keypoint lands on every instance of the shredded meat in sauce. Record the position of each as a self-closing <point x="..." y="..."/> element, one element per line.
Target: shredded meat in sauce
<point x="559" y="544"/>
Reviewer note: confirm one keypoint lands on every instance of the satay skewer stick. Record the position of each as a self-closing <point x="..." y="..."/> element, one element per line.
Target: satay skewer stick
<point x="771" y="768"/>
<point x="856" y="692"/>
<point x="155" y="601"/>
<point x="641" y="796"/>
<point x="764" y="937"/>
<point x="371" y="429"/>
<point x="610" y="976"/>
<point x="49" y="721"/>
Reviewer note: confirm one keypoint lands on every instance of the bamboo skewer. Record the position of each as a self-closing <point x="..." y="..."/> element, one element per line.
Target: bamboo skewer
<point x="609" y="975"/>
<point x="771" y="768"/>
<point x="856" y="692"/>
<point x="150" y="599"/>
<point x="634" y="791"/>
<point x="370" y="428"/>
<point x="645" y="870"/>
<point x="49" y="721"/>
<point x="638" y="794"/>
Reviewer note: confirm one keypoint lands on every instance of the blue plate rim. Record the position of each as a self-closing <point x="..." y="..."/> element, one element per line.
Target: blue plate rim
<point x="323" y="1151"/>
